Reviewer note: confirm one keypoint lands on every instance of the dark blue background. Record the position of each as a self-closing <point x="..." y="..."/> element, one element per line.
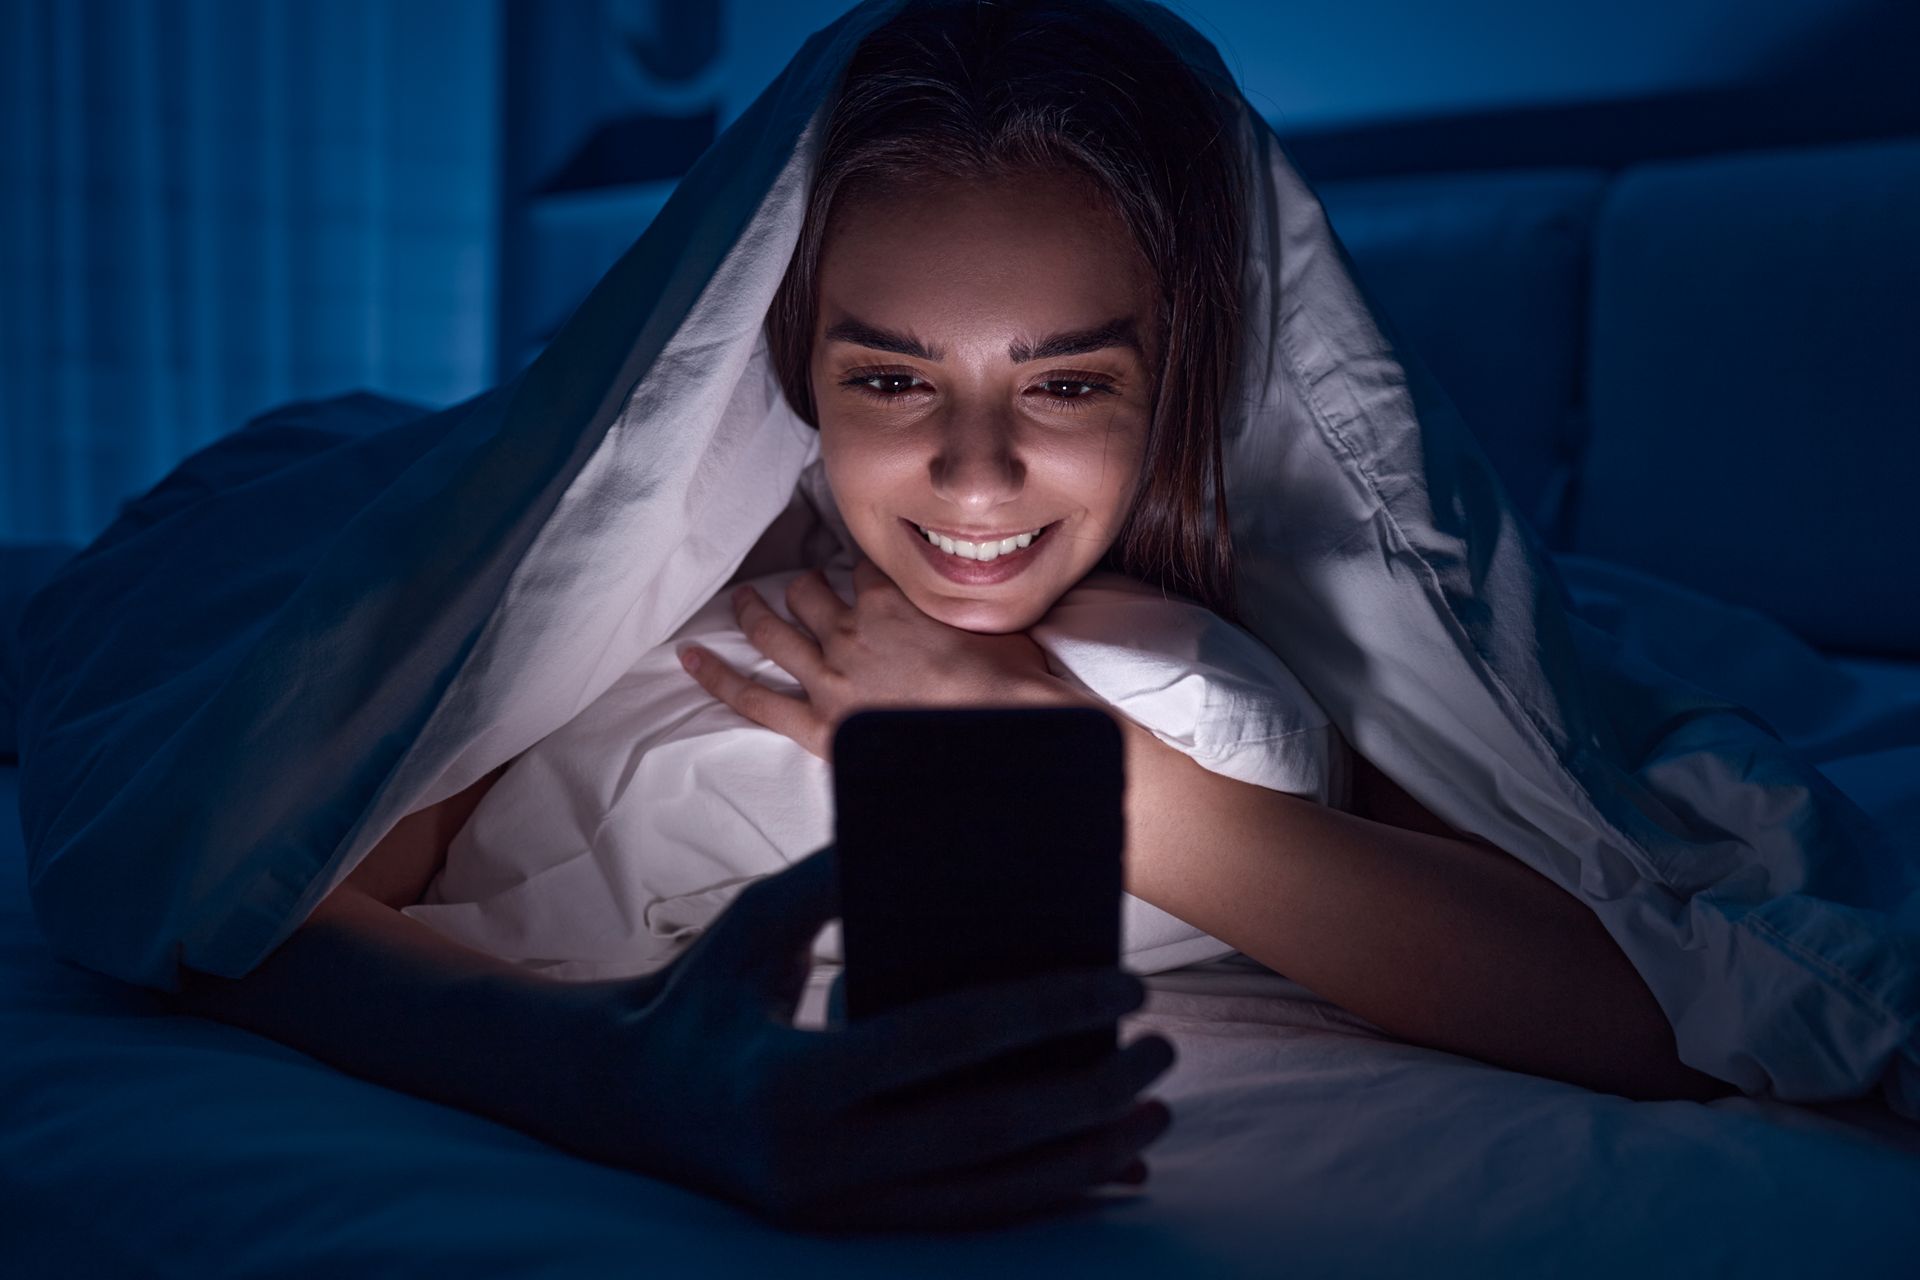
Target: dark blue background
<point x="208" y="207"/>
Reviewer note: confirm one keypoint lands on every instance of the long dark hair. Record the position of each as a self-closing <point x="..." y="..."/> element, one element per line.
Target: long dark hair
<point x="976" y="88"/>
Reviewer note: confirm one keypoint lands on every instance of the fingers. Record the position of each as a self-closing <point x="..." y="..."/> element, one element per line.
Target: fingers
<point x="791" y="717"/>
<point x="817" y="605"/>
<point x="981" y="1123"/>
<point x="932" y="1037"/>
<point x="795" y="651"/>
<point x="765" y="936"/>
<point x="837" y="1001"/>
<point x="1054" y="1176"/>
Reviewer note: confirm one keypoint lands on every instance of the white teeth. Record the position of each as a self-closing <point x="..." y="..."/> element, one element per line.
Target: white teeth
<point x="983" y="550"/>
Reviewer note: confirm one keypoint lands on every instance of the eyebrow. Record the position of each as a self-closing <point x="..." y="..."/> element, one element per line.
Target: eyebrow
<point x="1120" y="332"/>
<point x="862" y="334"/>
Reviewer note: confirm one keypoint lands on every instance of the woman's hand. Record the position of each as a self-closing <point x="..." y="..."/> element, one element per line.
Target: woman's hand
<point x="699" y="1076"/>
<point x="879" y="651"/>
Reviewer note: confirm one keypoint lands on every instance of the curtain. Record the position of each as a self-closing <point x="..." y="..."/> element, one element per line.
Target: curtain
<point x="210" y="207"/>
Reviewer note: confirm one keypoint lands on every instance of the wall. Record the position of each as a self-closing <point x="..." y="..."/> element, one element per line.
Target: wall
<point x="1314" y="63"/>
<point x="210" y="207"/>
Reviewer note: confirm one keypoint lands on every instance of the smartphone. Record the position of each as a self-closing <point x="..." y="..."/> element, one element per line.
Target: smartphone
<point x="976" y="846"/>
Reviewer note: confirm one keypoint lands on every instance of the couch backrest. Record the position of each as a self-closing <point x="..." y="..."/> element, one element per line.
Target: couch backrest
<point x="1704" y="368"/>
<point x="1485" y="277"/>
<point x="1754" y="375"/>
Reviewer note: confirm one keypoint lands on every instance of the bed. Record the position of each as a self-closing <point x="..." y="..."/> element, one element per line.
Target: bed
<point x="134" y="1142"/>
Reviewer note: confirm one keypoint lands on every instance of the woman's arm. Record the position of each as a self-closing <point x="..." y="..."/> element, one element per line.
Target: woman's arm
<point x="696" y="1074"/>
<point x="1432" y="938"/>
<point x="382" y="996"/>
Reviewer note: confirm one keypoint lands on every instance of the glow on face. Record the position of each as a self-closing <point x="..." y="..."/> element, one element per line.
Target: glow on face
<point x="981" y="382"/>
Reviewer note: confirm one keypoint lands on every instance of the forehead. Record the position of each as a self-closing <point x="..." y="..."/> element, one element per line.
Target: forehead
<point x="983" y="262"/>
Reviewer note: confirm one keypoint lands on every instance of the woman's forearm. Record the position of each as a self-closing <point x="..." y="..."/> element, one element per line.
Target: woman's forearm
<point x="384" y="997"/>
<point x="1435" y="940"/>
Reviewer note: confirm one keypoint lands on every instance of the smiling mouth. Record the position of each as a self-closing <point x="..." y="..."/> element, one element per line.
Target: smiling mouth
<point x="984" y="549"/>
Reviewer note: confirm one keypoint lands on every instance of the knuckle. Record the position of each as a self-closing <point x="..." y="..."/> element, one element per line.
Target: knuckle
<point x="740" y="928"/>
<point x="759" y="900"/>
<point x="770" y="1099"/>
<point x="1118" y="1086"/>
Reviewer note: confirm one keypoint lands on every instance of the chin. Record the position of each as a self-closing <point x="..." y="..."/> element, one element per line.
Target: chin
<point x="985" y="617"/>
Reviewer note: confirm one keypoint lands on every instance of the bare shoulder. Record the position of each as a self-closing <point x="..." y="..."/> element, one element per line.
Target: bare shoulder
<point x="398" y="869"/>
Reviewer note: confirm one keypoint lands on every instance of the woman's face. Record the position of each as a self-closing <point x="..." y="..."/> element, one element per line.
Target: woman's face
<point x="981" y="384"/>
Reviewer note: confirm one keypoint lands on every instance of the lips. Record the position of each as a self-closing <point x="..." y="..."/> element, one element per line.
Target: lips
<point x="971" y="570"/>
<point x="980" y="547"/>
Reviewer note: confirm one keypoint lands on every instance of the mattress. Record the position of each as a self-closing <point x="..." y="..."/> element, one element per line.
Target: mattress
<point x="135" y="1142"/>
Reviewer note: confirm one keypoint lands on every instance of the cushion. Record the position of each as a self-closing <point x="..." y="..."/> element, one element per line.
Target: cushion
<point x="1752" y="391"/>
<point x="1483" y="277"/>
<point x="22" y="569"/>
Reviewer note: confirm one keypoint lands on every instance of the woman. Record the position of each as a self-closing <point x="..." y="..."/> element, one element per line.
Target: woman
<point x="1012" y="328"/>
<point x="694" y="1074"/>
<point x="941" y="238"/>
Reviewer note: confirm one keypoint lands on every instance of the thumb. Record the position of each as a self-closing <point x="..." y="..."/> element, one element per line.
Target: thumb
<point x="765" y="938"/>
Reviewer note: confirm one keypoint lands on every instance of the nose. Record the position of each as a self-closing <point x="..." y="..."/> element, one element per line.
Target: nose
<point x="976" y="464"/>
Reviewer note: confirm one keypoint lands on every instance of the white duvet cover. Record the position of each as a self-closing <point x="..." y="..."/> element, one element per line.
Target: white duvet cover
<point x="608" y="846"/>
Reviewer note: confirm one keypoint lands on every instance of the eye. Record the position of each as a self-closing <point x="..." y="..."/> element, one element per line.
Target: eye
<point x="1073" y="391"/>
<point x="883" y="384"/>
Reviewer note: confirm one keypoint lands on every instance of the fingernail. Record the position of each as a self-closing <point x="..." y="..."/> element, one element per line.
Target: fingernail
<point x="1161" y="1051"/>
<point x="690" y="659"/>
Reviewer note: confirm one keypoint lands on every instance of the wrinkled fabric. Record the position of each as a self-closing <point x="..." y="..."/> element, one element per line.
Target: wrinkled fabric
<point x="610" y="845"/>
<point x="237" y="692"/>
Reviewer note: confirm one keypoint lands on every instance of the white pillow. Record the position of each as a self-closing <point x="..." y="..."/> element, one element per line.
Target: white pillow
<point x="610" y="844"/>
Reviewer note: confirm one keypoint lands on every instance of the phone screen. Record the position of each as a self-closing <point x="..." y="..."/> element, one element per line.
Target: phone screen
<point x="975" y="846"/>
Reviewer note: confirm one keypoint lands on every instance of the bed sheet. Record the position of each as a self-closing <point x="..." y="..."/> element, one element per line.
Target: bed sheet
<point x="134" y="1142"/>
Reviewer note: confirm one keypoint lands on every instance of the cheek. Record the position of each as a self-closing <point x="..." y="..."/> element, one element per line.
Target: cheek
<point x="862" y="470"/>
<point x="1100" y="471"/>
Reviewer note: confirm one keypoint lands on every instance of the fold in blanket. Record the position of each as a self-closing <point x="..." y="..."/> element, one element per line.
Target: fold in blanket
<point x="613" y="842"/>
<point x="246" y="680"/>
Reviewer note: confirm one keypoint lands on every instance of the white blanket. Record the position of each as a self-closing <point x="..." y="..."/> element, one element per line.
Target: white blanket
<point x="608" y="846"/>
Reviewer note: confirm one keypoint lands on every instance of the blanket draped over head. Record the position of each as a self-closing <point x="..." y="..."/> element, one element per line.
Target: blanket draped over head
<point x="308" y="631"/>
